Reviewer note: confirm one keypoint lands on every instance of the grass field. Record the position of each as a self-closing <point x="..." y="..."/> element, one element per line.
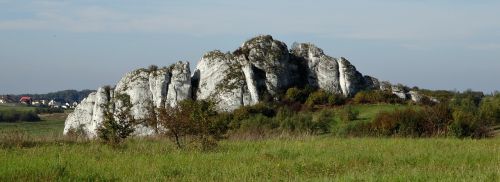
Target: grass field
<point x="50" y="124"/>
<point x="305" y="158"/>
<point x="320" y="158"/>
<point x="19" y="107"/>
<point x="40" y="128"/>
<point x="367" y="112"/>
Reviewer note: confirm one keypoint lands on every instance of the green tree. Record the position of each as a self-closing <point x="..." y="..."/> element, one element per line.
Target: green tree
<point x="192" y="118"/>
<point x="118" y="123"/>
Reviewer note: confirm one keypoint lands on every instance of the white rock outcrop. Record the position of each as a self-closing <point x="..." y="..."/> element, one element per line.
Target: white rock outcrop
<point x="261" y="69"/>
<point x="146" y="89"/>
<point x="334" y="75"/>
<point x="89" y="114"/>
<point x="220" y="77"/>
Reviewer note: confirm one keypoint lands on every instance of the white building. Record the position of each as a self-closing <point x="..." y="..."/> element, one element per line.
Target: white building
<point x="54" y="104"/>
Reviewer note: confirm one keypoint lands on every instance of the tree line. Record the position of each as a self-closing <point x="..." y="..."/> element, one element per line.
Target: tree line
<point x="65" y="96"/>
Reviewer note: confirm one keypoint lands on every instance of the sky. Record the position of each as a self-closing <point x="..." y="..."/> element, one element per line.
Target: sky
<point x="54" y="45"/>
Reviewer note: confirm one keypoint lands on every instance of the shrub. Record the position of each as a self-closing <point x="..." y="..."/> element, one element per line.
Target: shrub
<point x="295" y="95"/>
<point x="347" y="113"/>
<point x="11" y="116"/>
<point x="430" y="121"/>
<point x="117" y="127"/>
<point x="318" y="97"/>
<point x="353" y="128"/>
<point x="29" y="116"/>
<point x="321" y="122"/>
<point x="437" y="118"/>
<point x="384" y="123"/>
<point x="257" y="124"/>
<point x="440" y="95"/>
<point x="14" y="115"/>
<point x="220" y="126"/>
<point x="75" y="134"/>
<point x="410" y="122"/>
<point x="489" y="110"/>
<point x="247" y="111"/>
<point x="406" y="122"/>
<point x="48" y="110"/>
<point x="153" y="68"/>
<point x="203" y="116"/>
<point x="193" y="118"/>
<point x="468" y="124"/>
<point x="175" y="121"/>
<point x="297" y="123"/>
<point x="336" y="99"/>
<point x="376" y="96"/>
<point x="361" y="98"/>
<point x="472" y="118"/>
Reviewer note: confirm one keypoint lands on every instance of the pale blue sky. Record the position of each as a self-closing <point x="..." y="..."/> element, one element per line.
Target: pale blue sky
<point x="439" y="44"/>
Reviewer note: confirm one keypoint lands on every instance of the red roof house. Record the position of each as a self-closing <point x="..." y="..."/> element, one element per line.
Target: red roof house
<point x="25" y="100"/>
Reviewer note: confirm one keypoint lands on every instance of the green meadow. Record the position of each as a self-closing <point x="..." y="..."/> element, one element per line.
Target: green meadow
<point x="44" y="155"/>
<point x="319" y="158"/>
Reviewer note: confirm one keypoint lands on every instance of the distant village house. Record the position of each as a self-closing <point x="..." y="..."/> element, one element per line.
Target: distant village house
<point x="26" y="100"/>
<point x="4" y="99"/>
<point x="40" y="102"/>
<point x="54" y="104"/>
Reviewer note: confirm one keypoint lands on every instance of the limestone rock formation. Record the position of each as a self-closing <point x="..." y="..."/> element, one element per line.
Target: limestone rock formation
<point x="261" y="69"/>
<point x="334" y="75"/>
<point x="322" y="71"/>
<point x="220" y="77"/>
<point x="89" y="113"/>
<point x="147" y="89"/>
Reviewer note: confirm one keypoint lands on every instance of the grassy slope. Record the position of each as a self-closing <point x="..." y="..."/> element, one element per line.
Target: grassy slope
<point x="367" y="112"/>
<point x="310" y="159"/>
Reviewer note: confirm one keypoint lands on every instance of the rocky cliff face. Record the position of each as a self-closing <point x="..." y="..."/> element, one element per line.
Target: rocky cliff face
<point x="147" y="89"/>
<point x="262" y="68"/>
<point x="334" y="75"/>
<point x="89" y="113"/>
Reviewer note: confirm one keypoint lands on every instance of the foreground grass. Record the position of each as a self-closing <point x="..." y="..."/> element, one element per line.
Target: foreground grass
<point x="321" y="158"/>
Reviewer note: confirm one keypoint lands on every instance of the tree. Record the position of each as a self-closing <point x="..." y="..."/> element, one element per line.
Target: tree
<point x="175" y="120"/>
<point x="118" y="121"/>
<point x="203" y="116"/>
<point x="151" y="118"/>
<point x="191" y="118"/>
